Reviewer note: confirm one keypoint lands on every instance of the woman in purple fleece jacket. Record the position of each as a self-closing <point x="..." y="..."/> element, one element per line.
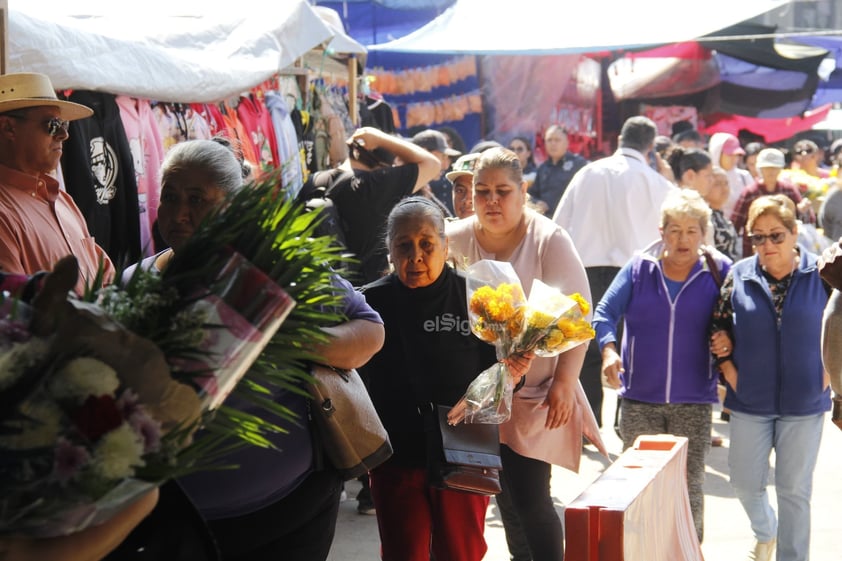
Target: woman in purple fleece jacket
<point x="665" y="296"/>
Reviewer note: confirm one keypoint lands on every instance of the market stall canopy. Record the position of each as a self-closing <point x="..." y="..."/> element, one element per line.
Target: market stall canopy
<point x="378" y="21"/>
<point x="331" y="58"/>
<point x="772" y="130"/>
<point x="540" y="27"/>
<point x="163" y="50"/>
<point x="758" y="78"/>
<point x="829" y="89"/>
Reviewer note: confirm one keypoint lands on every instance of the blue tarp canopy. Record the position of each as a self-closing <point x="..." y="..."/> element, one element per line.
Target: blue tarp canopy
<point x="541" y="27"/>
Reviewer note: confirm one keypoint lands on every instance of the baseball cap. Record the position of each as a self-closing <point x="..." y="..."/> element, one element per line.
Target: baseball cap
<point x="732" y="146"/>
<point x="433" y="140"/>
<point x="462" y="166"/>
<point x="771" y="158"/>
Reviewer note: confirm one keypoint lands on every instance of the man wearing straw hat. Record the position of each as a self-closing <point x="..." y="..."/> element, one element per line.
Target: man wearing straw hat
<point x="40" y="223"/>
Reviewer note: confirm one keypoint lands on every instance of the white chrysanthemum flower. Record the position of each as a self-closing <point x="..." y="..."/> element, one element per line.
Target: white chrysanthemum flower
<point x="20" y="357"/>
<point x="118" y="453"/>
<point x="83" y="377"/>
<point x="39" y="426"/>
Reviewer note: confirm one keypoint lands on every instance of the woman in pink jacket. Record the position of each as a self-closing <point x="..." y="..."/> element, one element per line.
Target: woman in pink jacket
<point x="550" y="413"/>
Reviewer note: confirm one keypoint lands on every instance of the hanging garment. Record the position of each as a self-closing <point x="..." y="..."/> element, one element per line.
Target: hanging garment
<point x="99" y="174"/>
<point x="171" y="126"/>
<point x="233" y="123"/>
<point x="378" y="114"/>
<point x="211" y="116"/>
<point x="147" y="154"/>
<point x="258" y="125"/>
<point x="288" y="142"/>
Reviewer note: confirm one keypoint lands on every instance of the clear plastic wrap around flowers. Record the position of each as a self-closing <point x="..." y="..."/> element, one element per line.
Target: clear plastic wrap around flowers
<point x="555" y="322"/>
<point x="496" y="306"/>
<point x="248" y="308"/>
<point x="91" y="415"/>
<point x="75" y="430"/>
<point x="548" y="323"/>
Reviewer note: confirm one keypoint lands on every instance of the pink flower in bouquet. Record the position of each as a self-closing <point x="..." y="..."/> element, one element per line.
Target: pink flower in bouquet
<point x="133" y="411"/>
<point x="13" y="331"/>
<point x="69" y="460"/>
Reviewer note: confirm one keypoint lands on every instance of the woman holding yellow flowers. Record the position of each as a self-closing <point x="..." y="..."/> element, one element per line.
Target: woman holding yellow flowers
<point x="666" y="295"/>
<point x="430" y="356"/>
<point x="550" y="413"/>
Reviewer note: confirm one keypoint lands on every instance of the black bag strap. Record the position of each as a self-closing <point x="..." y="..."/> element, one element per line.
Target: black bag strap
<point x="712" y="267"/>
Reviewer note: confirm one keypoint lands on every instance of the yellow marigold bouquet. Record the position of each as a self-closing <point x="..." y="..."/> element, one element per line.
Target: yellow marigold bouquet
<point x="549" y="323"/>
<point x="555" y="322"/>
<point x="496" y="305"/>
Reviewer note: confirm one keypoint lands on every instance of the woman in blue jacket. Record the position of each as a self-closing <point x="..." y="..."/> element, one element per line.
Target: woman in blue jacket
<point x="666" y="295"/>
<point x="771" y="308"/>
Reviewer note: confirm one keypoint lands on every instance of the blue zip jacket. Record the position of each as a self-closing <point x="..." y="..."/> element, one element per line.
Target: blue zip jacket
<point x="779" y="363"/>
<point x="665" y="347"/>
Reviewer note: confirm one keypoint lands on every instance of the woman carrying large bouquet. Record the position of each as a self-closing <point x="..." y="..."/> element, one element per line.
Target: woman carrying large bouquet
<point x="550" y="413"/>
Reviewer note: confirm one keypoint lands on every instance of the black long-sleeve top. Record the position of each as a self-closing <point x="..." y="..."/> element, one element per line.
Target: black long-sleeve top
<point x="428" y="337"/>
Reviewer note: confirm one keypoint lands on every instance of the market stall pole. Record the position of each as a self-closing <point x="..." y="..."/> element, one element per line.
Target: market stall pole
<point x="352" y="89"/>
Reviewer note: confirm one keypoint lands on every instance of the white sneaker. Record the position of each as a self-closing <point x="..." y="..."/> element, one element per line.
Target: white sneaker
<point x="762" y="551"/>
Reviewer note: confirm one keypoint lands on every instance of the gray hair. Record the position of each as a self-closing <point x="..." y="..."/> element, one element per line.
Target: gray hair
<point x="685" y="203"/>
<point x="638" y="133"/>
<point x="412" y="208"/>
<point x="217" y="158"/>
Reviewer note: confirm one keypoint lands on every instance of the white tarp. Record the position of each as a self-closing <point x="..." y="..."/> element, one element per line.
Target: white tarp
<point x="557" y="27"/>
<point x="162" y="50"/>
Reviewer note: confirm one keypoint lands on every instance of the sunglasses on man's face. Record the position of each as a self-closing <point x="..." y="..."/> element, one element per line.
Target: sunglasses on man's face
<point x="776" y="238"/>
<point x="55" y="126"/>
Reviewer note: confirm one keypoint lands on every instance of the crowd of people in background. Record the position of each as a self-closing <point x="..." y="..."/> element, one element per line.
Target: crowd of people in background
<point x="676" y="240"/>
<point x="658" y="226"/>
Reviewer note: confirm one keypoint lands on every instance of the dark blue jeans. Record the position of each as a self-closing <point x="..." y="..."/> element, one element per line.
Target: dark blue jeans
<point x="299" y="527"/>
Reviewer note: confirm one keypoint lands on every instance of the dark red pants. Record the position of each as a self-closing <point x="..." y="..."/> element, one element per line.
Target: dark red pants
<point x="415" y="520"/>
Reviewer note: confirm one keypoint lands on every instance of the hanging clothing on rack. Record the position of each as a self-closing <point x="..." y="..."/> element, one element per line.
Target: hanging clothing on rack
<point x="147" y="154"/>
<point x="375" y="112"/>
<point x="172" y="127"/>
<point x="233" y="124"/>
<point x="212" y="119"/>
<point x="329" y="131"/>
<point x="99" y="174"/>
<point x="288" y="143"/>
<point x="257" y="122"/>
<point x="196" y="124"/>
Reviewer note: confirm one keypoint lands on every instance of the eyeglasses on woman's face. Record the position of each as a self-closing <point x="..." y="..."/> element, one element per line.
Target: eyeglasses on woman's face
<point x="54" y="126"/>
<point x="776" y="238"/>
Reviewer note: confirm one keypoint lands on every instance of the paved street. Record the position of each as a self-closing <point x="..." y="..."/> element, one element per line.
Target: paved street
<point x="727" y="533"/>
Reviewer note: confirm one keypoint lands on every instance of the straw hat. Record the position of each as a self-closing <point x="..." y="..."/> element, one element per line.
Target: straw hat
<point x="19" y="91"/>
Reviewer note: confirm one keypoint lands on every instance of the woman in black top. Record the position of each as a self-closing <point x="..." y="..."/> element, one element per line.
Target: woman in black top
<point x="430" y="356"/>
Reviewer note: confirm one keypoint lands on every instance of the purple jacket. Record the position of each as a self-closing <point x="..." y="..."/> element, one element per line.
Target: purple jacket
<point x="665" y="342"/>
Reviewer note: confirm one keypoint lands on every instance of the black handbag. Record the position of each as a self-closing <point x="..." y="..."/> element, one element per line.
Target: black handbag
<point x="463" y="457"/>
